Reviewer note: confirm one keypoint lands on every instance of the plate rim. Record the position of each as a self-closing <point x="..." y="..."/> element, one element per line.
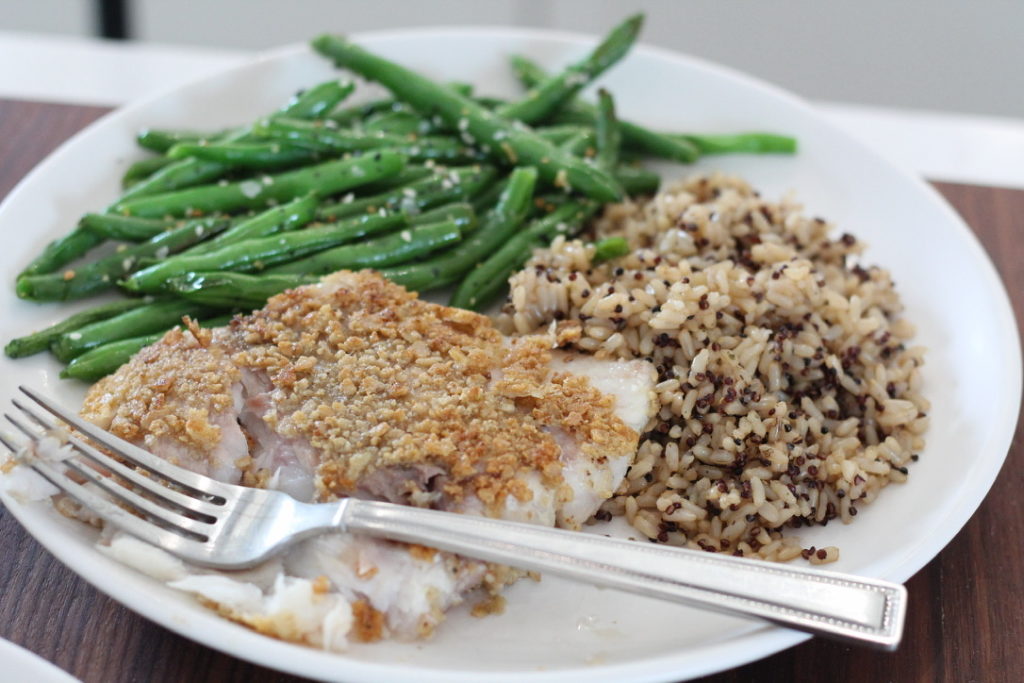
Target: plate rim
<point x="766" y="640"/>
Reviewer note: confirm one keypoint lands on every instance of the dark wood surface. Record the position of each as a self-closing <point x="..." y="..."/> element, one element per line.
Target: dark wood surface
<point x="966" y="621"/>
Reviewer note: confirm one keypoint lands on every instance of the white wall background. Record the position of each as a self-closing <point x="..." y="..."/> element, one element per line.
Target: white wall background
<point x="950" y="55"/>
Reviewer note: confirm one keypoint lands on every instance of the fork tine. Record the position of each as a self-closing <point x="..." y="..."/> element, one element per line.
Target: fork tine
<point x="34" y="416"/>
<point x="179" y="524"/>
<point x="116" y="515"/>
<point x="143" y="482"/>
<point x="22" y="428"/>
<point x="130" y="452"/>
<point x="11" y="447"/>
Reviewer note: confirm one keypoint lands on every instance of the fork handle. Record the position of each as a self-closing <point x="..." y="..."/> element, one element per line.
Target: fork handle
<point x="824" y="603"/>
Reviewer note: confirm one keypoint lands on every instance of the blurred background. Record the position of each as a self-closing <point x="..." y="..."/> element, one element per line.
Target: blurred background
<point x="945" y="55"/>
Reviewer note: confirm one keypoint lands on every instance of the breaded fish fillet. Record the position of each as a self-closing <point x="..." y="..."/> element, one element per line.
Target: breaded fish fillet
<point x="355" y="387"/>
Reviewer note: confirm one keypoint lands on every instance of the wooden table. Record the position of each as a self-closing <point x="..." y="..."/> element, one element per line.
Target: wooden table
<point x="966" y="624"/>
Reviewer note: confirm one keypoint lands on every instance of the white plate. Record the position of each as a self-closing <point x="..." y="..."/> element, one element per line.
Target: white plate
<point x="19" y="664"/>
<point x="557" y="630"/>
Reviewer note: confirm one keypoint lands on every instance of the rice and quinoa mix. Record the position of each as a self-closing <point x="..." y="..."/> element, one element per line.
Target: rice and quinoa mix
<point x="788" y="394"/>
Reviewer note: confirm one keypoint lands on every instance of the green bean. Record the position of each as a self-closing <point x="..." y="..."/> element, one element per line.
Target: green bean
<point x="400" y="122"/>
<point x="657" y="144"/>
<point x="286" y="217"/>
<point x="234" y="290"/>
<point x="162" y="139"/>
<point x="581" y="144"/>
<point x="259" y="253"/>
<point x="41" y="340"/>
<point x="609" y="248"/>
<point x="361" y="112"/>
<point x="410" y="174"/>
<point x="441" y="187"/>
<point x="609" y="137"/>
<point x="637" y="181"/>
<point x="61" y="251"/>
<point x="490" y="102"/>
<point x="103" y="360"/>
<point x="186" y="172"/>
<point x="551" y="93"/>
<point x="461" y="87"/>
<point x="507" y="142"/>
<point x="104" y="273"/>
<point x="249" y="155"/>
<point x="483" y="283"/>
<point x="154" y="317"/>
<point x="741" y="143"/>
<point x="389" y="250"/>
<point x="312" y="103"/>
<point x="461" y="213"/>
<point x="558" y="135"/>
<point x="514" y="204"/>
<point x="485" y="199"/>
<point x="318" y="101"/>
<point x="142" y="169"/>
<point x="111" y="226"/>
<point x="580" y="112"/>
<point x="324" y="179"/>
<point x="321" y="138"/>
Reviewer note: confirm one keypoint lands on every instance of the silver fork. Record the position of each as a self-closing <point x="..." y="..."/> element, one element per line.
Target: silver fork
<point x="219" y="525"/>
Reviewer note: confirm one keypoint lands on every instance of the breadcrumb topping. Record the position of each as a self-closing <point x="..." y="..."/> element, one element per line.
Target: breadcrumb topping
<point x="171" y="389"/>
<point x="371" y="377"/>
<point x="374" y="377"/>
